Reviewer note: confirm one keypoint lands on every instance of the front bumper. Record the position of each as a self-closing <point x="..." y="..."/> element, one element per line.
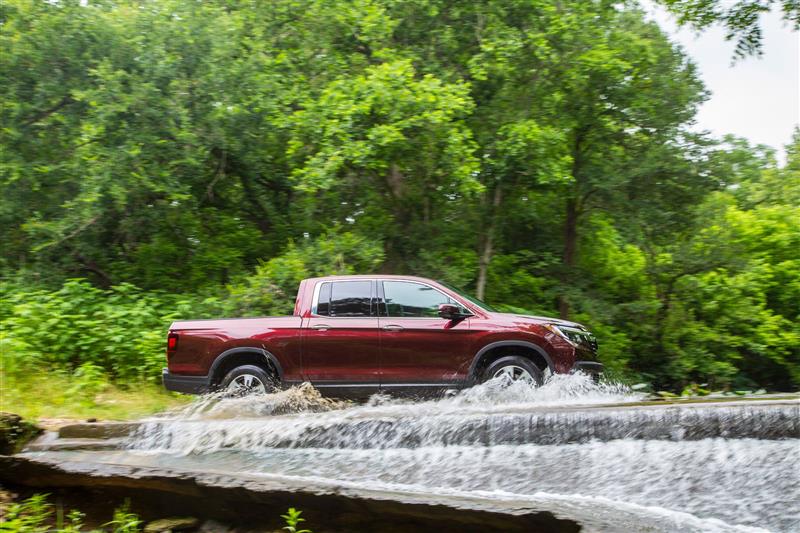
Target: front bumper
<point x="185" y="384"/>
<point x="590" y="367"/>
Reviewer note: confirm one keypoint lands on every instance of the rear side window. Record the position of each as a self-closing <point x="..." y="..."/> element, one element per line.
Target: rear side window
<point x="324" y="303"/>
<point x="409" y="299"/>
<point x="345" y="299"/>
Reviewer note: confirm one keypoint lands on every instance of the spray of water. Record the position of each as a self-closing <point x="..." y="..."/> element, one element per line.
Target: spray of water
<point x="221" y="405"/>
<point x="493" y="396"/>
<point x="552" y="447"/>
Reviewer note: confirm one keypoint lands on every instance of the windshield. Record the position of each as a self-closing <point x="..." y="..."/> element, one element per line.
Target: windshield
<point x="482" y="305"/>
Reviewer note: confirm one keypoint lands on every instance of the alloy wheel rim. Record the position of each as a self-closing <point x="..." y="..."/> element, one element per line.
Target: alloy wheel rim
<point x="247" y="384"/>
<point x="514" y="373"/>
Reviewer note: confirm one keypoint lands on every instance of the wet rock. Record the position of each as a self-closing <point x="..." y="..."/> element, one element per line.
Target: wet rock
<point x="50" y="441"/>
<point x="14" y="433"/>
<point x="168" y="525"/>
<point x="97" y="430"/>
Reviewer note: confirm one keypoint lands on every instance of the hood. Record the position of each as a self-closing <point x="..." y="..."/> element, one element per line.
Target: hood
<point x="546" y="320"/>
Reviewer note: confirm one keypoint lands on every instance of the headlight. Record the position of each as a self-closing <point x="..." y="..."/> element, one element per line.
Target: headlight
<point x="574" y="335"/>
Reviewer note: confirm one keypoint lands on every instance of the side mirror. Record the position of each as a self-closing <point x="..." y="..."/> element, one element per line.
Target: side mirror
<point x="450" y="312"/>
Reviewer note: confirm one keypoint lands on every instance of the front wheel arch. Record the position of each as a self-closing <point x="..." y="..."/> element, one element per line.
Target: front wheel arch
<point x="496" y="350"/>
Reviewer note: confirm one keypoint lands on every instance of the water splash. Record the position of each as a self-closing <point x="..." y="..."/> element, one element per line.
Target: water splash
<point x="558" y="390"/>
<point x="568" y="444"/>
<point x="220" y="405"/>
<point x="492" y="412"/>
<point x="492" y="396"/>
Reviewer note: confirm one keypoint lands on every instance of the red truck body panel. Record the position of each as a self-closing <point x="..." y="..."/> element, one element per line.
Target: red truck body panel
<point x="371" y="351"/>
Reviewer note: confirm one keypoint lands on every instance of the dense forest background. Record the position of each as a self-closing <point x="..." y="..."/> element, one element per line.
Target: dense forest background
<point x="165" y="159"/>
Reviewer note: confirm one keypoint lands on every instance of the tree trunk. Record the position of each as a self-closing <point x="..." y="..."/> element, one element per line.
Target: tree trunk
<point x="259" y="214"/>
<point x="570" y="243"/>
<point x="487" y="244"/>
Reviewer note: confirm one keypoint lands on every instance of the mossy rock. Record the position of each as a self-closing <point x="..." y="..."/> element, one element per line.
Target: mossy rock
<point x="15" y="433"/>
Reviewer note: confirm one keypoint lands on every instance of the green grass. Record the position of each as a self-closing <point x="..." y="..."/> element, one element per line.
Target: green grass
<point x="61" y="396"/>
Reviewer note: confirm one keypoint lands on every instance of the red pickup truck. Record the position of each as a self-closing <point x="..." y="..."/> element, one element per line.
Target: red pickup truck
<point x="357" y="335"/>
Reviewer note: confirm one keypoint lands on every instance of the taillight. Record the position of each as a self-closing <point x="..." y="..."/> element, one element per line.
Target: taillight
<point x="172" y="342"/>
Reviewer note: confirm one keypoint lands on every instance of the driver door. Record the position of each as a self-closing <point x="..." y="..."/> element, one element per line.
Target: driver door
<point x="418" y="347"/>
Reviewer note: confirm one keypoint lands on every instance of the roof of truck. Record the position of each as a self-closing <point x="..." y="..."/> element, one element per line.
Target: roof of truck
<point x="373" y="276"/>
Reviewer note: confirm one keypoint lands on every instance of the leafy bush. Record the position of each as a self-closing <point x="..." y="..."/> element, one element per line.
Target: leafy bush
<point x="29" y="516"/>
<point x="34" y="515"/>
<point x="90" y="331"/>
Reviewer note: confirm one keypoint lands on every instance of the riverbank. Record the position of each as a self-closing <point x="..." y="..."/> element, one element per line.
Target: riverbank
<point x="55" y="399"/>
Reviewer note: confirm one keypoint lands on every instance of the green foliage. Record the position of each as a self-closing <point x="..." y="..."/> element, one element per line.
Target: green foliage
<point x="82" y="328"/>
<point x="740" y="19"/>
<point x="292" y="518"/>
<point x="737" y="322"/>
<point x="124" y="521"/>
<point x="173" y="159"/>
<point x="35" y="515"/>
<point x="29" y="516"/>
<point x="271" y="289"/>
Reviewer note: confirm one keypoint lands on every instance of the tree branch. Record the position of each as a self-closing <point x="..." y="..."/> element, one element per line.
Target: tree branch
<point x="47" y="112"/>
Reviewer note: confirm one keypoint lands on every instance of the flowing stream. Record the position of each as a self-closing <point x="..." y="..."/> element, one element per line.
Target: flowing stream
<point x="592" y="452"/>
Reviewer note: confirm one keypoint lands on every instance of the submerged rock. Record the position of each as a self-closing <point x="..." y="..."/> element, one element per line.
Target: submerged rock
<point x="15" y="432"/>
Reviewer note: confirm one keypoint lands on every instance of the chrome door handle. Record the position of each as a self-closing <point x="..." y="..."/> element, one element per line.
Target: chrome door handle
<point x="321" y="327"/>
<point x="392" y="327"/>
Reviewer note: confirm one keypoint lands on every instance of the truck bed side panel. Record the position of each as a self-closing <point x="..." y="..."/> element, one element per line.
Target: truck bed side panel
<point x="201" y="341"/>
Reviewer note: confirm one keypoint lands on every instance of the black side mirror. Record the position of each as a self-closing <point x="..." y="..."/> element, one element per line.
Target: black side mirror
<point x="450" y="312"/>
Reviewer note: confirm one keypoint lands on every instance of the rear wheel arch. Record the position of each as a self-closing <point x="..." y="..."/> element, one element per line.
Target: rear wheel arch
<point x="496" y="350"/>
<point x="235" y="357"/>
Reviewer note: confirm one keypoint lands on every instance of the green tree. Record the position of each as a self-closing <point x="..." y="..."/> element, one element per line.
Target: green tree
<point x="740" y="19"/>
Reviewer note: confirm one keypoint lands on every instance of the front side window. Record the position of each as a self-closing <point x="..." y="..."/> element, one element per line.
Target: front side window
<point x="345" y="299"/>
<point x="409" y="299"/>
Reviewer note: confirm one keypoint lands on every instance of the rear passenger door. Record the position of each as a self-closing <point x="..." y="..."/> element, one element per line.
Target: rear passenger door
<point x="340" y="339"/>
<point x="418" y="347"/>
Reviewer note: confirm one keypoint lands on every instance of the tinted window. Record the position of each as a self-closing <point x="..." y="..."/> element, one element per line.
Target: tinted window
<point x="349" y="298"/>
<point x="408" y="299"/>
<point x="324" y="302"/>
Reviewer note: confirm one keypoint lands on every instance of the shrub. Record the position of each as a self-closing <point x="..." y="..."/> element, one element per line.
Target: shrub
<point x="80" y="328"/>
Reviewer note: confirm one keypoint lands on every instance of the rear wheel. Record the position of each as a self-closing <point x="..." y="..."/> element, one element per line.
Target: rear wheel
<point x="247" y="379"/>
<point x="514" y="368"/>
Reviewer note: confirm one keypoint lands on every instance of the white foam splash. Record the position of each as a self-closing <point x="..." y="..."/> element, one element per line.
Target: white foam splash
<point x="493" y="396"/>
<point x="220" y="405"/>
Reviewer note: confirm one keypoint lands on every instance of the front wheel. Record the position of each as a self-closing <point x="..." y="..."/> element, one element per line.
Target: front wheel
<point x="247" y="379"/>
<point x="514" y="368"/>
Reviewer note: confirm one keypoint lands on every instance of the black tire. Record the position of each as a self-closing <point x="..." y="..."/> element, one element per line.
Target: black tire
<point x="248" y="379"/>
<point x="512" y="362"/>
